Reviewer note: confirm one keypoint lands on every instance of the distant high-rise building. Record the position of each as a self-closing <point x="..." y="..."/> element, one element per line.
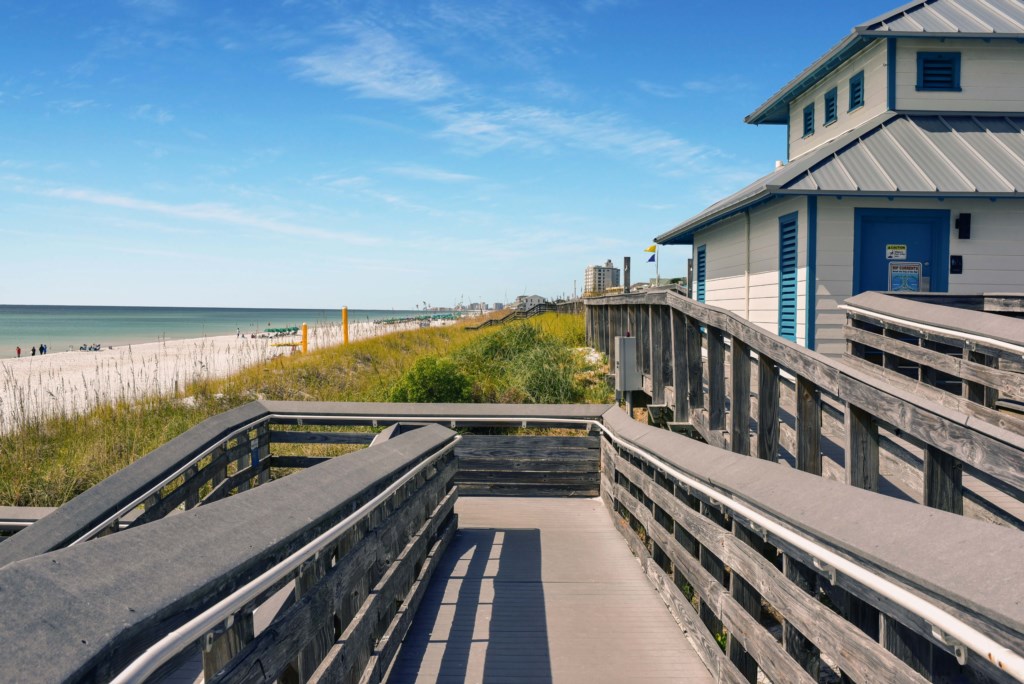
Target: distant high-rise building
<point x="597" y="279"/>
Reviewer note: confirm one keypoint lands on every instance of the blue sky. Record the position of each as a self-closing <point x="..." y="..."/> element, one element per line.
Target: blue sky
<point x="375" y="154"/>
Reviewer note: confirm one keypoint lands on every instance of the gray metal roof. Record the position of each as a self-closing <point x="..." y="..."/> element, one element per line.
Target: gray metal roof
<point x="922" y="155"/>
<point x="927" y="18"/>
<point x="951" y="18"/>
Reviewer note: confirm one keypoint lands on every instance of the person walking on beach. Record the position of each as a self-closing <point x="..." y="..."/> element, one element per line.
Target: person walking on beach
<point x="18" y="351"/>
<point x="33" y="351"/>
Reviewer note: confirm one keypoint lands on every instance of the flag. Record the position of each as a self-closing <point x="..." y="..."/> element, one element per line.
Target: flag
<point x="652" y="248"/>
<point x="651" y="259"/>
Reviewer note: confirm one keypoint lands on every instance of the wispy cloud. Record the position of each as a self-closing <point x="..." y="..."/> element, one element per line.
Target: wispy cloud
<point x="375" y="64"/>
<point x="71" y="106"/>
<point x="429" y="174"/>
<point x="538" y="128"/>
<point x="164" y="8"/>
<point x="660" y="90"/>
<point x="524" y="33"/>
<point x="212" y="212"/>
<point x="703" y="87"/>
<point x="152" y="113"/>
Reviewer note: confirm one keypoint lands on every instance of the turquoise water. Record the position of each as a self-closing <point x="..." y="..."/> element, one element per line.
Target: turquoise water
<point x="64" y="327"/>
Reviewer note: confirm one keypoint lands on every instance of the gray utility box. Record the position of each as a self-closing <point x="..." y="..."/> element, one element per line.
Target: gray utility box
<point x="627" y="374"/>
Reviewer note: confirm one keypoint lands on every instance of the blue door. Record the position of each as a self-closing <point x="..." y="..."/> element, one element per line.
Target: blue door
<point x="890" y="243"/>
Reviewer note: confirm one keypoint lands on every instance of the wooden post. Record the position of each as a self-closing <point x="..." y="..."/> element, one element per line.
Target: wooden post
<point x="740" y="421"/>
<point x="227" y="645"/>
<point x="680" y="378"/>
<point x="665" y="353"/>
<point x="715" y="567"/>
<point x="808" y="426"/>
<point x="861" y="449"/>
<point x="797" y="645"/>
<point x="748" y="598"/>
<point x="644" y="338"/>
<point x="344" y="324"/>
<point x="305" y="338"/>
<point x="657" y="344"/>
<point x="588" y="325"/>
<point x="767" y="408"/>
<point x="694" y="364"/>
<point x="716" y="379"/>
<point x="977" y="392"/>
<point x="943" y="481"/>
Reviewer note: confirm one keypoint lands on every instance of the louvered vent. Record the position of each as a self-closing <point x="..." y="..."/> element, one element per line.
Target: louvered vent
<point x="701" y="272"/>
<point x="787" y="277"/>
<point x="938" y="71"/>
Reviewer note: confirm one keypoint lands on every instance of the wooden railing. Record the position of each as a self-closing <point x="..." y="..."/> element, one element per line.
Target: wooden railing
<point x="754" y="393"/>
<point x="969" y="360"/>
<point x="738" y="548"/>
<point x="253" y="444"/>
<point x="767" y="569"/>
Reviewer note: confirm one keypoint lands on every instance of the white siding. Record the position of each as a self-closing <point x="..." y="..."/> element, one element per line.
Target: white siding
<point x="991" y="76"/>
<point x="993" y="257"/>
<point x="872" y="61"/>
<point x="725" y="246"/>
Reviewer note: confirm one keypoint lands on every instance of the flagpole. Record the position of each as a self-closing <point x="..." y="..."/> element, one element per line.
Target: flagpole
<point x="657" y="266"/>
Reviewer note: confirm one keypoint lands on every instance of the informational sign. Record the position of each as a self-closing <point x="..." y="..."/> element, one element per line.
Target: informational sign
<point x="896" y="252"/>
<point x="905" y="276"/>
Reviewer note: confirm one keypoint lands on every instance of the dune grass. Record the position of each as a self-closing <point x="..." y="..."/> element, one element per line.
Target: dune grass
<point x="46" y="462"/>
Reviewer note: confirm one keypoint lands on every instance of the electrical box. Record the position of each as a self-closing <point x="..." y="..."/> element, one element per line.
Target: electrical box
<point x="956" y="264"/>
<point x="627" y="374"/>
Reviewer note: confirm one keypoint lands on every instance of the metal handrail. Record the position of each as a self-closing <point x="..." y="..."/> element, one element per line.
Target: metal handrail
<point x="223" y="611"/>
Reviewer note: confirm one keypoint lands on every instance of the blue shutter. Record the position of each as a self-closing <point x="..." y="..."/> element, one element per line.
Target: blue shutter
<point x="857" y="91"/>
<point x="809" y="120"/>
<point x="831" y="110"/>
<point x="787" y="277"/>
<point x="938" y="71"/>
<point x="702" y="272"/>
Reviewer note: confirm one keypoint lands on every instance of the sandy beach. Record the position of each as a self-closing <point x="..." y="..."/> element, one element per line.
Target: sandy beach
<point x="74" y="381"/>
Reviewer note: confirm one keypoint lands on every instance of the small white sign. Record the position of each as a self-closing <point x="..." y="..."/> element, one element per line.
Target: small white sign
<point x="896" y="252"/>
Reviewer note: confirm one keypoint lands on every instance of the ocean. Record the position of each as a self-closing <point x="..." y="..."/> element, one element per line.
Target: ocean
<point x="68" y="327"/>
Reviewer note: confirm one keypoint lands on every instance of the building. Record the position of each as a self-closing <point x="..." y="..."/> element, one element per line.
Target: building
<point x="905" y="171"/>
<point x="527" y="302"/>
<point x="597" y="279"/>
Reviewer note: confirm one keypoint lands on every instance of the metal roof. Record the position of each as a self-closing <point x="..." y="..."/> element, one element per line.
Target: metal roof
<point x="920" y="155"/>
<point x="951" y="18"/>
<point x="923" y="18"/>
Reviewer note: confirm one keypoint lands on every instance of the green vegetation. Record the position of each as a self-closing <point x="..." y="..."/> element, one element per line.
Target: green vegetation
<point x="46" y="462"/>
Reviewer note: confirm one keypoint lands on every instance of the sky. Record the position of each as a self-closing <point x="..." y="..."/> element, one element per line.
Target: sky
<point x="376" y="154"/>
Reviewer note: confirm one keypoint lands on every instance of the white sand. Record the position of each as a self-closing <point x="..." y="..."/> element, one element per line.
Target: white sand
<point x="74" y="381"/>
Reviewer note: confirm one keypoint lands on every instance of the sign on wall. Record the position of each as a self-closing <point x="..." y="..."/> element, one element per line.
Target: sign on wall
<point x="905" y="276"/>
<point x="896" y="252"/>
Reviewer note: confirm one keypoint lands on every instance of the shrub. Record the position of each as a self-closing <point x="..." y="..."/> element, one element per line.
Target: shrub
<point x="433" y="379"/>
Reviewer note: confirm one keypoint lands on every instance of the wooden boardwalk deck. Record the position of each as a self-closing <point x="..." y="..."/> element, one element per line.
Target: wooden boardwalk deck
<point x="542" y="590"/>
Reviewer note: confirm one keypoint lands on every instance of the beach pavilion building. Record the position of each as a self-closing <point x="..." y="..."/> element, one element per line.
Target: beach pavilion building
<point x="905" y="171"/>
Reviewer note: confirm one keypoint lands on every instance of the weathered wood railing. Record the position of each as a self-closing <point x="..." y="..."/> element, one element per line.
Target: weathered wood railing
<point x="739" y="550"/>
<point x="248" y="446"/>
<point x="701" y="363"/>
<point x="972" y="361"/>
<point x="354" y="540"/>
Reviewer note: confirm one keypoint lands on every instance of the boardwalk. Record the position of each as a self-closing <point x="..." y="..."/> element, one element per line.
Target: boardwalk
<point x="542" y="590"/>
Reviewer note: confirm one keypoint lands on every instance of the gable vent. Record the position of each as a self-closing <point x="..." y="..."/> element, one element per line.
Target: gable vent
<point x="938" y="71"/>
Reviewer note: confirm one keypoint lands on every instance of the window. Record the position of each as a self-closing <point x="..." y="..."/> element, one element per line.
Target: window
<point x="938" y="71"/>
<point x="787" y="277"/>
<point x="857" y="91"/>
<point x="702" y="272"/>
<point x="831" y="110"/>
<point x="809" y="120"/>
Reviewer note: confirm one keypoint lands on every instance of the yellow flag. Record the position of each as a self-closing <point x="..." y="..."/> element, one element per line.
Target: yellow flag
<point x="652" y="248"/>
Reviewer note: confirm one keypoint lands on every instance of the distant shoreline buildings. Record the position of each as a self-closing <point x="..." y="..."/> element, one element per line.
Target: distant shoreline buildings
<point x="598" y="279"/>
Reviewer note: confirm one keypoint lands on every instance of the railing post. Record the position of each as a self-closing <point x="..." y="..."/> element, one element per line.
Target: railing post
<point x="694" y="365"/>
<point x="657" y="345"/>
<point x="748" y="598"/>
<point x="680" y="377"/>
<point x="798" y="646"/>
<point x="665" y="352"/>
<point x="739" y="422"/>
<point x="227" y="645"/>
<point x="943" y="481"/>
<point x="976" y="392"/>
<point x="613" y="319"/>
<point x="716" y="379"/>
<point x="808" y="426"/>
<point x="588" y="324"/>
<point x="644" y="338"/>
<point x="861" y="448"/>
<point x="767" y="408"/>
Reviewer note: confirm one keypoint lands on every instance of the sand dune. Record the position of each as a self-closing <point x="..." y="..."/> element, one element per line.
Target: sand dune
<point x="70" y="382"/>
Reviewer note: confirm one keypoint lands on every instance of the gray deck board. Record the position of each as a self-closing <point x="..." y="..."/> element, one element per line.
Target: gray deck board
<point x="542" y="590"/>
